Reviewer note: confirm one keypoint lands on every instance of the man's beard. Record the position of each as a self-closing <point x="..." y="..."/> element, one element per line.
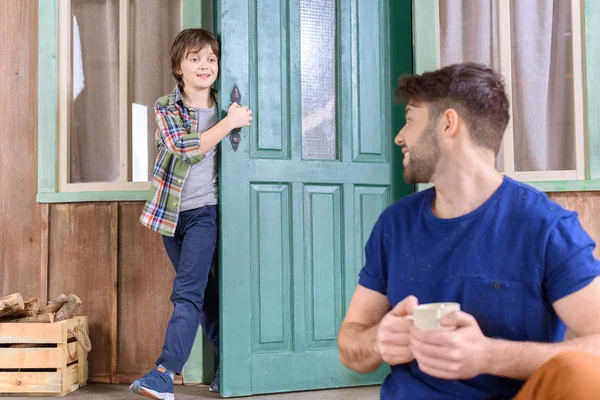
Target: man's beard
<point x="424" y="157"/>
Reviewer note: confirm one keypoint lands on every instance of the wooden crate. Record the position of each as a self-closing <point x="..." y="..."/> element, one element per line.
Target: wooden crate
<point x="54" y="363"/>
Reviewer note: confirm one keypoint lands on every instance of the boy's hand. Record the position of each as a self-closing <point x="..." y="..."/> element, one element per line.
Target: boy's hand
<point x="239" y="116"/>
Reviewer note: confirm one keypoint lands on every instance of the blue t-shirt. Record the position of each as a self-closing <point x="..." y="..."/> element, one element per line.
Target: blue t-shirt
<point x="505" y="263"/>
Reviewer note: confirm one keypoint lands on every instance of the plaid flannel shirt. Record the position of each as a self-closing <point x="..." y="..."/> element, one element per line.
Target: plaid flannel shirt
<point x="178" y="141"/>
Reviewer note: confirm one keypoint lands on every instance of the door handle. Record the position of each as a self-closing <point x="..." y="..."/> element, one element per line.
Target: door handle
<point x="234" y="136"/>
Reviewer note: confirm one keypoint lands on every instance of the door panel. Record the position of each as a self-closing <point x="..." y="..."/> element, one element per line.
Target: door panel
<point x="301" y="194"/>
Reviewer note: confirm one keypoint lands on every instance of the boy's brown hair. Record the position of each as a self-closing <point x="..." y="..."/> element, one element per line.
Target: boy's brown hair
<point x="190" y="41"/>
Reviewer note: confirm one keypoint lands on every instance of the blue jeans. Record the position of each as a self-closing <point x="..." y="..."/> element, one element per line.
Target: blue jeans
<point x="195" y="293"/>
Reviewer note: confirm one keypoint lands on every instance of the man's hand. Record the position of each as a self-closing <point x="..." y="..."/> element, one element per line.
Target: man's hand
<point x="460" y="354"/>
<point x="393" y="335"/>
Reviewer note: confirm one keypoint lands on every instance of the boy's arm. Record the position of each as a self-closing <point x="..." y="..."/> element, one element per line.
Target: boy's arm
<point x="237" y="117"/>
<point x="191" y="147"/>
<point x="214" y="135"/>
<point x="175" y="138"/>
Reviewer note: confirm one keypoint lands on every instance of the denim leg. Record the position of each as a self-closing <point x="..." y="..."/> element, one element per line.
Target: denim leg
<point x="196" y="236"/>
<point x="210" y="313"/>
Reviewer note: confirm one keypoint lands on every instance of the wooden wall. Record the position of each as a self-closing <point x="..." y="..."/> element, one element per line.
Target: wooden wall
<point x="587" y="204"/>
<point x="97" y="250"/>
<point x="119" y="269"/>
<point x="20" y="216"/>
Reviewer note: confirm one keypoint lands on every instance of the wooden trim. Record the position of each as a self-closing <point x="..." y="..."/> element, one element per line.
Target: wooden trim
<point x="191" y="17"/>
<point x="438" y="45"/>
<point x="191" y="14"/>
<point x="578" y="92"/>
<point x="103" y="186"/>
<point x="589" y="185"/>
<point x="504" y="40"/>
<point x="76" y="197"/>
<point x="44" y="253"/>
<point x="425" y="36"/>
<point x="591" y="81"/>
<point x="426" y="42"/>
<point x="124" y="113"/>
<point x="47" y="94"/>
<point x="64" y="91"/>
<point x="543" y="176"/>
<point x="114" y="314"/>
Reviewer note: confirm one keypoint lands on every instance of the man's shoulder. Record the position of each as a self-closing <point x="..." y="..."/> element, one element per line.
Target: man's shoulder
<point x="405" y="209"/>
<point x="531" y="204"/>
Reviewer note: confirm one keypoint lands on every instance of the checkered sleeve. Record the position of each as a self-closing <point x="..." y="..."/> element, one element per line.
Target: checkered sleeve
<point x="173" y="135"/>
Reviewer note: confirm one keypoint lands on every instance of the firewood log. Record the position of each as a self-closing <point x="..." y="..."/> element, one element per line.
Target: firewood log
<point x="47" y="318"/>
<point x="67" y="310"/>
<point x="32" y="306"/>
<point x="55" y="304"/>
<point x="12" y="302"/>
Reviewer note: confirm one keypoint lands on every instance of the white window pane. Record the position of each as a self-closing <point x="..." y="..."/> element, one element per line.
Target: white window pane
<point x="542" y="85"/>
<point x="94" y="144"/>
<point x="318" y="79"/>
<point x="155" y="25"/>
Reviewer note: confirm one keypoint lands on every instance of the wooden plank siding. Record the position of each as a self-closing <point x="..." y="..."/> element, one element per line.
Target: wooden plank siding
<point x="145" y="277"/>
<point x="80" y="262"/>
<point x="587" y="205"/>
<point x="121" y="272"/>
<point x="20" y="216"/>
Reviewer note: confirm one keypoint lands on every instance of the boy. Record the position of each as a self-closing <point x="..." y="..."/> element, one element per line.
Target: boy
<point x="182" y="203"/>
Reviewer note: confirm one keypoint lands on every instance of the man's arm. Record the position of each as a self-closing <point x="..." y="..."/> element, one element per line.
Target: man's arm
<point x="358" y="333"/>
<point x="580" y="311"/>
<point x="466" y="352"/>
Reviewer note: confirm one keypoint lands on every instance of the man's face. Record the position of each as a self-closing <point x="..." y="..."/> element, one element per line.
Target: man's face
<point x="419" y="142"/>
<point x="199" y="69"/>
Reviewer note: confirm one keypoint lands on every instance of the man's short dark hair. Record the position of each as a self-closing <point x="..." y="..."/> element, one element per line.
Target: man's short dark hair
<point x="475" y="91"/>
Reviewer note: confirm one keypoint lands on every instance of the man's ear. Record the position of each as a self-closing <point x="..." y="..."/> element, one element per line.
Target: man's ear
<point x="450" y="123"/>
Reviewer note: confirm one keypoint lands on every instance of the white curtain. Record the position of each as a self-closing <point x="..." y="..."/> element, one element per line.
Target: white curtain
<point x="95" y="113"/>
<point x="542" y="84"/>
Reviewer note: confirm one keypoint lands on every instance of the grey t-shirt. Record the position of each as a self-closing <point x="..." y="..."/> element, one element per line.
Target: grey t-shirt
<point x="200" y="187"/>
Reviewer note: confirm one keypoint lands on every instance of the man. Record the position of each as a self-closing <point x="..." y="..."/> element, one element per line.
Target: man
<point x="520" y="265"/>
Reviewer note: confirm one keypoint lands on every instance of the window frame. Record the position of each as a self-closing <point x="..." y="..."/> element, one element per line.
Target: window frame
<point x="586" y="19"/>
<point x="54" y="89"/>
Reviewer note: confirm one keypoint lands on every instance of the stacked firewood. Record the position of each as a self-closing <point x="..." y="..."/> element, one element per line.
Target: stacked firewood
<point x="14" y="309"/>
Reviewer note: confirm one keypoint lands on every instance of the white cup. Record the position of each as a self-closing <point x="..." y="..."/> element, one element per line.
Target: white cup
<point x="427" y="316"/>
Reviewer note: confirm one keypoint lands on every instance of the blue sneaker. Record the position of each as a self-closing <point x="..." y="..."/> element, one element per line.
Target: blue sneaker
<point x="156" y="384"/>
<point x="215" y="386"/>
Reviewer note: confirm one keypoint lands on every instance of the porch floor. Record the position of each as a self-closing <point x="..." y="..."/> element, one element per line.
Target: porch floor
<point x="121" y="392"/>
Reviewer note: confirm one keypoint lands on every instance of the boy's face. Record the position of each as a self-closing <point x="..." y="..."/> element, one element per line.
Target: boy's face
<point x="199" y="69"/>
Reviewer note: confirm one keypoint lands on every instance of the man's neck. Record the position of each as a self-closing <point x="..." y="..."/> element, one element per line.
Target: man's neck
<point x="198" y="98"/>
<point x="464" y="187"/>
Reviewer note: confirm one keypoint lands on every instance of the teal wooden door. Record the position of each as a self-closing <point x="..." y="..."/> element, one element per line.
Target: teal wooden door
<point x="300" y="195"/>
